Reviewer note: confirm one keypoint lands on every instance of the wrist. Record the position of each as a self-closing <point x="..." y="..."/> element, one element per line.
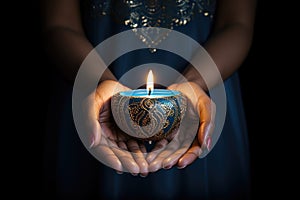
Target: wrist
<point x="107" y="76"/>
<point x="193" y="76"/>
<point x="199" y="82"/>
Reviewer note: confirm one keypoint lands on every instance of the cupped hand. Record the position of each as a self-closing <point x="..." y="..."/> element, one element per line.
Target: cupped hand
<point x="194" y="135"/>
<point x="106" y="141"/>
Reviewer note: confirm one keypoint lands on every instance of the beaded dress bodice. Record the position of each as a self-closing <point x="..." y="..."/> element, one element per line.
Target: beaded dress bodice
<point x="150" y="14"/>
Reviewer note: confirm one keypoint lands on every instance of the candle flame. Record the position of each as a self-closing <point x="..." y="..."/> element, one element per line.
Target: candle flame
<point x="150" y="82"/>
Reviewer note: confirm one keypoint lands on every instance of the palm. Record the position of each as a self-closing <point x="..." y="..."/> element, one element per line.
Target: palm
<point x="109" y="128"/>
<point x="111" y="146"/>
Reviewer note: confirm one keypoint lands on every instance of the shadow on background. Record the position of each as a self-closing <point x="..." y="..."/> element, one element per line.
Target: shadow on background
<point x="262" y="76"/>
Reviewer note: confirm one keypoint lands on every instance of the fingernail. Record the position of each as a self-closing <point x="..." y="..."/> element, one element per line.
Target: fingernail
<point x="181" y="167"/>
<point x="143" y="175"/>
<point x="134" y="174"/>
<point x="208" y="143"/>
<point x="167" y="167"/>
<point x="119" y="172"/>
<point x="92" y="141"/>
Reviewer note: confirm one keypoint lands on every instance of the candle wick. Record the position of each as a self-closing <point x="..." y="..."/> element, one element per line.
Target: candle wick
<point x="149" y="91"/>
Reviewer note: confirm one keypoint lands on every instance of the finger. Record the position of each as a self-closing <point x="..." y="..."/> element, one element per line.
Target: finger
<point x="169" y="162"/>
<point x="159" y="146"/>
<point x="122" y="145"/>
<point x="128" y="162"/>
<point x="138" y="156"/>
<point x="186" y="135"/>
<point x="120" y="149"/>
<point x="157" y="163"/>
<point x="143" y="148"/>
<point x="144" y="151"/>
<point x="190" y="156"/>
<point x="173" y="158"/>
<point x="205" y="135"/>
<point x="107" y="157"/>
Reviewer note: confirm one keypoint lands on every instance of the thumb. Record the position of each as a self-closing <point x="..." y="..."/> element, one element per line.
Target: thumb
<point x="94" y="133"/>
<point x="206" y="111"/>
<point x="93" y="106"/>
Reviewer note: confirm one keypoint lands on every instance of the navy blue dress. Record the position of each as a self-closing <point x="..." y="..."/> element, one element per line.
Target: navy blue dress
<point x="70" y="171"/>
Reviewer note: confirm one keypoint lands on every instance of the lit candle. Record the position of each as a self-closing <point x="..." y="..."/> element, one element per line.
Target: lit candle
<point x="148" y="114"/>
<point x="150" y="82"/>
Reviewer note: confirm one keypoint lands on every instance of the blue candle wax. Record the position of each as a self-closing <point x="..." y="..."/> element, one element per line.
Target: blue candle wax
<point x="156" y="93"/>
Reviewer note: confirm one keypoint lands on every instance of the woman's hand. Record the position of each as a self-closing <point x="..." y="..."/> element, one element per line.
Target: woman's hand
<point x="107" y="142"/>
<point x="194" y="134"/>
<point x="205" y="109"/>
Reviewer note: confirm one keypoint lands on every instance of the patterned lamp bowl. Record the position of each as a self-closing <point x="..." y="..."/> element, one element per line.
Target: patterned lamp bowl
<point x="148" y="117"/>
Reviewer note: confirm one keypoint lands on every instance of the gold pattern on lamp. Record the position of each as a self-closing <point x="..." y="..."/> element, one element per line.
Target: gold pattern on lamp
<point x="148" y="119"/>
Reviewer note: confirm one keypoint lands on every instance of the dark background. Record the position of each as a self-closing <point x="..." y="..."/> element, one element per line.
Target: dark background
<point x="262" y="86"/>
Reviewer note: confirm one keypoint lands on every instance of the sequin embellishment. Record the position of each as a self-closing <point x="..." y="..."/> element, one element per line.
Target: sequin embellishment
<point x="147" y="14"/>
